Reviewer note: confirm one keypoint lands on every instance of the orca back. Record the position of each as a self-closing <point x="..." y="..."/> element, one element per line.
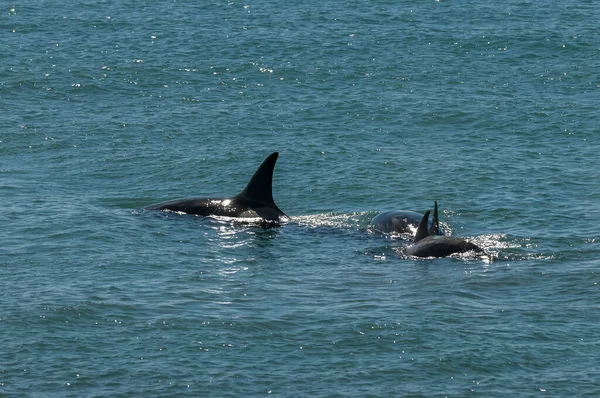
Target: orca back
<point x="427" y="244"/>
<point x="256" y="197"/>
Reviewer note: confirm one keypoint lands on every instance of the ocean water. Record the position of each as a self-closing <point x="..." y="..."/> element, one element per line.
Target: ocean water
<point x="106" y="107"/>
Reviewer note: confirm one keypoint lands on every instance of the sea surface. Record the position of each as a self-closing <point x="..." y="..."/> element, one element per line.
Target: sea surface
<point x="490" y="108"/>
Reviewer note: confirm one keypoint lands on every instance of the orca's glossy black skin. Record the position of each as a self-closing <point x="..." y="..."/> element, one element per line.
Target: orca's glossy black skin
<point x="404" y="221"/>
<point x="427" y="245"/>
<point x="255" y="200"/>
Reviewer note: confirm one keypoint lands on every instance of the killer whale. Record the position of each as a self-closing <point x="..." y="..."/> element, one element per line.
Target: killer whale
<point x="404" y="221"/>
<point x="427" y="245"/>
<point x="255" y="200"/>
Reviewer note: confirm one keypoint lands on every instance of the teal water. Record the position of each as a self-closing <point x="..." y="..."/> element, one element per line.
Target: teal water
<point x="490" y="109"/>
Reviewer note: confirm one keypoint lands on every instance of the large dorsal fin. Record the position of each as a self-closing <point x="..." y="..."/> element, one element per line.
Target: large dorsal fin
<point x="422" y="228"/>
<point x="258" y="194"/>
<point x="435" y="225"/>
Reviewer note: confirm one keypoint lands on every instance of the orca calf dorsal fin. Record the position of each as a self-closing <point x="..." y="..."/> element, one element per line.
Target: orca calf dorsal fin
<point x="435" y="225"/>
<point x="422" y="231"/>
<point x="258" y="193"/>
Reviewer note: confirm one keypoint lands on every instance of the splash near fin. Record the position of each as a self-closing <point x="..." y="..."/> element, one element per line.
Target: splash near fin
<point x="435" y="225"/>
<point x="422" y="228"/>
<point x="258" y="194"/>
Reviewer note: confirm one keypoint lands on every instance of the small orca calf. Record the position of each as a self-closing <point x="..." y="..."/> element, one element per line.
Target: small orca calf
<point x="427" y="245"/>
<point x="404" y="221"/>
<point x="256" y="200"/>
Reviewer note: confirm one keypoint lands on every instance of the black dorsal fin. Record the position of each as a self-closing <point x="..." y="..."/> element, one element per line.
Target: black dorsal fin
<point x="422" y="228"/>
<point x="258" y="194"/>
<point x="435" y="225"/>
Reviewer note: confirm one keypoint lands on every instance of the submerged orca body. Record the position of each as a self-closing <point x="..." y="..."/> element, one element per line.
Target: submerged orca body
<point x="427" y="245"/>
<point x="256" y="200"/>
<point x="404" y="221"/>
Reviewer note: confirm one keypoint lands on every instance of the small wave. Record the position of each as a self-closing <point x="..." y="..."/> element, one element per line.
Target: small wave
<point x="337" y="220"/>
